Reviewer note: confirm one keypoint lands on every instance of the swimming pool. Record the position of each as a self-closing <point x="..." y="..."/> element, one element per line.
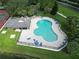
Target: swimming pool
<point x="44" y="33"/>
<point x="45" y="30"/>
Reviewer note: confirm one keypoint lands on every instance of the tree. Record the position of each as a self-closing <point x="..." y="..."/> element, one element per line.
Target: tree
<point x="33" y="9"/>
<point x="73" y="48"/>
<point x="72" y="31"/>
<point x="71" y="27"/>
<point x="21" y="11"/>
<point x="4" y="2"/>
<point x="46" y="5"/>
<point x="33" y="2"/>
<point x="54" y="9"/>
<point x="29" y="7"/>
<point x="14" y="5"/>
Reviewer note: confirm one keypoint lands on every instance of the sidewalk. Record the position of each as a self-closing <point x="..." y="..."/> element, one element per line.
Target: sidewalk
<point x="61" y="15"/>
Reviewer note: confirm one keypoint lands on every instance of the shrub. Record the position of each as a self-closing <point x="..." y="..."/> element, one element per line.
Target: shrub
<point x="72" y="31"/>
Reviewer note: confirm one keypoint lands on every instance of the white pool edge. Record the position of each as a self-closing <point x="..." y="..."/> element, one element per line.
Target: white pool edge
<point x="59" y="49"/>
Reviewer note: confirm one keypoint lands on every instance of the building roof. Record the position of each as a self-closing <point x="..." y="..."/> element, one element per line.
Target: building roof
<point x="23" y="22"/>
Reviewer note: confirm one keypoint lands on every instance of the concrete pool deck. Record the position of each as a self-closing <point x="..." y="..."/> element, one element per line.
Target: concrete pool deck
<point x="29" y="38"/>
<point x="38" y="41"/>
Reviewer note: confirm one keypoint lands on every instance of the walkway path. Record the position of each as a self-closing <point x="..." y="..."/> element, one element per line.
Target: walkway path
<point x="61" y="15"/>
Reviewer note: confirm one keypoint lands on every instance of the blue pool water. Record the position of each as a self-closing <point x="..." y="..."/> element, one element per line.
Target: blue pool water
<point x="45" y="30"/>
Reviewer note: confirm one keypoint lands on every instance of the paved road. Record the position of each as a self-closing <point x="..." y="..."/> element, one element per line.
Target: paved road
<point x="67" y="5"/>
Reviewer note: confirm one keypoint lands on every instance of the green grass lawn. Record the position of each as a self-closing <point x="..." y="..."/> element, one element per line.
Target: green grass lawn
<point x="67" y="11"/>
<point x="8" y="45"/>
<point x="6" y="42"/>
